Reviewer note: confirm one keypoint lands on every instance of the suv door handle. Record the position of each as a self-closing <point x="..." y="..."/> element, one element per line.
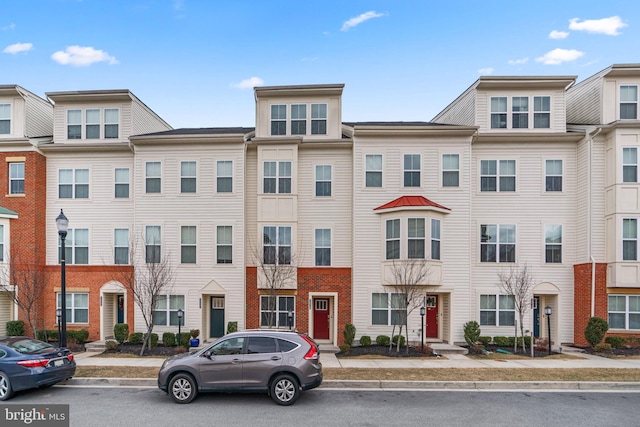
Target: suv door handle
<point x="235" y="361"/>
<point x="275" y="358"/>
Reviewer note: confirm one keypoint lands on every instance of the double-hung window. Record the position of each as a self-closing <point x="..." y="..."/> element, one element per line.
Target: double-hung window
<point x="276" y="245"/>
<point x="629" y="102"/>
<point x="553" y="175"/>
<point x="73" y="183"/>
<point x="541" y="112"/>
<point x="373" y="170"/>
<point x="497" y="243"/>
<point x="630" y="239"/>
<point x="5" y="119"/>
<point x="498" y="175"/>
<point x="412" y="170"/>
<point x="279" y="119"/>
<point x="435" y="238"/>
<point x="165" y="313"/>
<point x="630" y="164"/>
<point x="224" y="176"/>
<point x="224" y="244"/>
<point x="275" y="309"/>
<point x="111" y="122"/>
<point x="323" y="246"/>
<point x="498" y="112"/>
<point x="318" y="119"/>
<point x="188" y="177"/>
<point x="121" y="246"/>
<point x="624" y="311"/>
<point x="298" y="119"/>
<point x="387" y="308"/>
<point x="277" y="177"/>
<point x="92" y="123"/>
<point x="1" y="243"/>
<point x="153" y="174"/>
<point x="76" y="249"/>
<point x="450" y="170"/>
<point x="16" y="178"/>
<point x="520" y="112"/>
<point x="188" y="241"/>
<point x="497" y="310"/>
<point x="553" y="243"/>
<point x="392" y="239"/>
<point x="416" y="238"/>
<point x="122" y="183"/>
<point x="153" y="244"/>
<point x="323" y="180"/>
<point x="74" y="124"/>
<point x="77" y="306"/>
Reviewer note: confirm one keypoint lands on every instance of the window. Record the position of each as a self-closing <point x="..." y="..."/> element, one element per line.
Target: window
<point x="412" y="170"/>
<point x="73" y="183"/>
<point x="152" y="243"/>
<point x="387" y="309"/>
<point x="111" y="122"/>
<point x="121" y="246"/>
<point x="188" y="177"/>
<point x="274" y="311"/>
<point x="278" y="120"/>
<point x="501" y="314"/>
<point x="92" y="123"/>
<point x="276" y="245"/>
<point x="553" y="244"/>
<point x="553" y="175"/>
<point x="435" y="239"/>
<point x="298" y="119"/>
<point x="416" y="236"/>
<point x="74" y="124"/>
<point x="76" y="246"/>
<point x="323" y="246"/>
<point x="16" y="178"/>
<point x="1" y="243"/>
<point x="228" y="347"/>
<point x="373" y="174"/>
<point x="318" y="119"/>
<point x="541" y="112"/>
<point x="630" y="164"/>
<point x="497" y="175"/>
<point x="450" y="170"/>
<point x="498" y="243"/>
<point x="277" y="176"/>
<point x="77" y="307"/>
<point x="165" y="312"/>
<point x="393" y="239"/>
<point x="153" y="171"/>
<point x="498" y="112"/>
<point x="261" y="345"/>
<point x="5" y="119"/>
<point x="629" y="102"/>
<point x="520" y="112"/>
<point x="224" y="244"/>
<point x="624" y="311"/>
<point x="188" y="244"/>
<point x="122" y="183"/>
<point x="323" y="180"/>
<point x="629" y="239"/>
<point x="224" y="176"/>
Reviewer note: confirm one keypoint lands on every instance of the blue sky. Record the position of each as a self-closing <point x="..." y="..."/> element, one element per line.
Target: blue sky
<point x="195" y="62"/>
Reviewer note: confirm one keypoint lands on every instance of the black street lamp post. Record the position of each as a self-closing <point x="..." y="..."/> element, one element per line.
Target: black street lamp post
<point x="63" y="224"/>
<point x="180" y="314"/>
<point x="547" y="311"/>
<point x="423" y="311"/>
<point x="58" y="315"/>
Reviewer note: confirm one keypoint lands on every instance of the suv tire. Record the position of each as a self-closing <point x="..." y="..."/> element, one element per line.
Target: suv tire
<point x="183" y="388"/>
<point x="284" y="390"/>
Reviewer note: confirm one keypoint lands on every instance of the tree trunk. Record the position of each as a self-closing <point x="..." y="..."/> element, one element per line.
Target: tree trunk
<point x="147" y="340"/>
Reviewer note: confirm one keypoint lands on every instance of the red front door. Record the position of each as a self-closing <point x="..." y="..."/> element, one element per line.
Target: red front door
<point x="321" y="318"/>
<point x="431" y="329"/>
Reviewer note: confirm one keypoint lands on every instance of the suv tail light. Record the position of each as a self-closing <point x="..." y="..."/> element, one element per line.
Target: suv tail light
<point x="312" y="354"/>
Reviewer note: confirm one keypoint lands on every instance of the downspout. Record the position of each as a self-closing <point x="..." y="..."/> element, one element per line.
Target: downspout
<point x="589" y="222"/>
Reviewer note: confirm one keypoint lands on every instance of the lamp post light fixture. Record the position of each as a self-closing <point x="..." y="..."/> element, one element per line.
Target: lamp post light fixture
<point x="58" y="316"/>
<point x="180" y="315"/>
<point x="63" y="224"/>
<point x="547" y="311"/>
<point x="423" y="311"/>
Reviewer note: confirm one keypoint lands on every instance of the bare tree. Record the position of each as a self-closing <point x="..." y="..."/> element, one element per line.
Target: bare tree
<point x="409" y="277"/>
<point x="519" y="283"/>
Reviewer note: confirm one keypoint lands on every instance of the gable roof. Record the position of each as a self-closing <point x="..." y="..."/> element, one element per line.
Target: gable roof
<point x="409" y="202"/>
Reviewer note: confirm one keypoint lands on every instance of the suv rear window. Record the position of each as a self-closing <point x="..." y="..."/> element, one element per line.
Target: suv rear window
<point x="286" y="346"/>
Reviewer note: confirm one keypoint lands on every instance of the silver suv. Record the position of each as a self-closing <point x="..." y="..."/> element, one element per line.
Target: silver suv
<point x="281" y="363"/>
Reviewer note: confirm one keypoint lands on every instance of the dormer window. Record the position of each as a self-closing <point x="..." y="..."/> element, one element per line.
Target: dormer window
<point x="298" y="119"/>
<point x="74" y="124"/>
<point x="5" y="119"/>
<point x="299" y="122"/>
<point x="498" y="112"/>
<point x="92" y="126"/>
<point x="520" y="108"/>
<point x="520" y="117"/>
<point x="111" y="122"/>
<point x="278" y="119"/>
<point x="542" y="112"/>
<point x="318" y="119"/>
<point x="629" y="102"/>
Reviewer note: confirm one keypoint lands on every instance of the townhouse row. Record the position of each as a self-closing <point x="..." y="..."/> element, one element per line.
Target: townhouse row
<point x="304" y="220"/>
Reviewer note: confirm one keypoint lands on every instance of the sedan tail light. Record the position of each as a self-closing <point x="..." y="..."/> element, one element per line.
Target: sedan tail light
<point x="312" y="354"/>
<point x="33" y="363"/>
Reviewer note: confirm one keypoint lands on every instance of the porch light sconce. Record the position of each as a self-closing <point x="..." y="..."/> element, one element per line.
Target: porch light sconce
<point x="180" y="315"/>
<point x="547" y="311"/>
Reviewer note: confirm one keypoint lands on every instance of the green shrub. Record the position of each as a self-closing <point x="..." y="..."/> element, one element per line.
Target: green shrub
<point x="485" y="341"/>
<point x="595" y="330"/>
<point x="349" y="333"/>
<point x="154" y="339"/>
<point x="365" y="340"/>
<point x="49" y="335"/>
<point x="232" y="327"/>
<point x="616" y="341"/>
<point x="383" y="340"/>
<point x="111" y="344"/>
<point x="81" y="336"/>
<point x="471" y="332"/>
<point x="184" y="339"/>
<point x="633" y="342"/>
<point x="398" y="337"/>
<point x="169" y="339"/>
<point x="136" y="338"/>
<point x="15" y="328"/>
<point x="344" y="348"/>
<point x="121" y="332"/>
<point x="501" y="341"/>
<point x="602" y="347"/>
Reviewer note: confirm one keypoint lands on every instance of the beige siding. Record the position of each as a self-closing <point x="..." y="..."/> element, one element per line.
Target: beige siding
<point x="39" y="116"/>
<point x="6" y="312"/>
<point x="144" y="120"/>
<point x="461" y="111"/>
<point x="584" y="101"/>
<point x="60" y="121"/>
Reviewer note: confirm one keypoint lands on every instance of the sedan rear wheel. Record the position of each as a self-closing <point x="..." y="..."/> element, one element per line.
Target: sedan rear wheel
<point x="5" y="387"/>
<point x="284" y="390"/>
<point x="183" y="388"/>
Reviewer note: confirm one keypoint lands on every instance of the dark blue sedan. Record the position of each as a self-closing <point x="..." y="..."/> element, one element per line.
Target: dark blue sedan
<point x="27" y="363"/>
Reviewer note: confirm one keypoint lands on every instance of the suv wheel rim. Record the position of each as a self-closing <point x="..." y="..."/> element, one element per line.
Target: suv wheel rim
<point x="285" y="390"/>
<point x="181" y="389"/>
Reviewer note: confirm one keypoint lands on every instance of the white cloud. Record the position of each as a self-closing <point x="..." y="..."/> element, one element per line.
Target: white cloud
<point x="518" y="61"/>
<point x="485" y="71"/>
<point x="80" y="56"/>
<point x="557" y="35"/>
<point x="360" y="19"/>
<point x="558" y="56"/>
<point x="608" y="26"/>
<point x="249" y="83"/>
<point x="18" y="47"/>
<point x="9" y="27"/>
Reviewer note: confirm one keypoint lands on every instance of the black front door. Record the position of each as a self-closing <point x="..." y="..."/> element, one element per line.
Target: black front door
<point x="216" y="318"/>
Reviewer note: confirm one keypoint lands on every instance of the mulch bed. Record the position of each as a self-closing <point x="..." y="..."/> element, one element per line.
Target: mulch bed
<point x="378" y="350"/>
<point x="615" y="352"/>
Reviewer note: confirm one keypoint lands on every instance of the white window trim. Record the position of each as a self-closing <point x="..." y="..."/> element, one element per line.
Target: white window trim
<point x="218" y="244"/>
<point x="12" y="179"/>
<point x="127" y="183"/>
<point x="317" y="246"/>
<point x="497" y="310"/>
<point x="389" y="309"/>
<point x="277" y="312"/>
<point x="443" y="170"/>
<point x="381" y="171"/>
<point x="168" y="310"/>
<point x="498" y="243"/>
<point x="620" y="102"/>
<point x="498" y="175"/>
<point x="629" y="239"/>
<point x="189" y="245"/>
<point x="147" y="177"/>
<point x="73" y="308"/>
<point x="405" y="170"/>
<point x="116" y="246"/>
<point x="278" y="244"/>
<point x="317" y="180"/>
<point x="626" y="311"/>
<point x="550" y="175"/>
<point x="8" y="118"/>
<point x="194" y="177"/>
<point x="561" y="244"/>
<point x="636" y="164"/>
<point x="222" y="176"/>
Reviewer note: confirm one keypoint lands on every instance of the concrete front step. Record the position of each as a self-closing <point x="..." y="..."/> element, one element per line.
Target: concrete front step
<point x="442" y="348"/>
<point x="95" y="346"/>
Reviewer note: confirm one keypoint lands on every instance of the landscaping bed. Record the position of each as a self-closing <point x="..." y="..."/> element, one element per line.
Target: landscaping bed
<point x="134" y="349"/>
<point x="384" y="351"/>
